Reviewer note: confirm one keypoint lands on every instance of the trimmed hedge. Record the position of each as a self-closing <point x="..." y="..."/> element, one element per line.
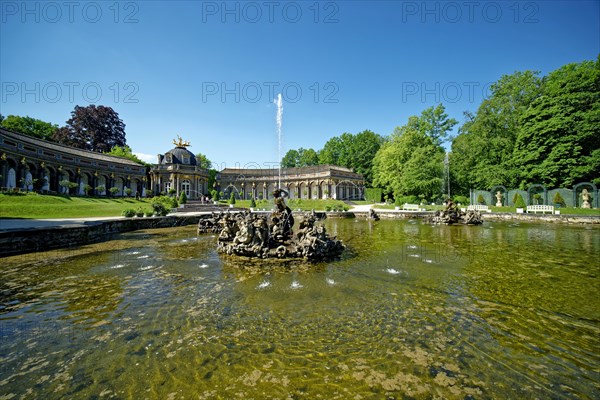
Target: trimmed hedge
<point x="374" y="194"/>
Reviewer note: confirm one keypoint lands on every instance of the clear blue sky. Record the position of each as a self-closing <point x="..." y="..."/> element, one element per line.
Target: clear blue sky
<point x="209" y="71"/>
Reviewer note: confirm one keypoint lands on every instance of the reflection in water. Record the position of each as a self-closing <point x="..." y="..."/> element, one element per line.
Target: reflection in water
<point x="501" y="310"/>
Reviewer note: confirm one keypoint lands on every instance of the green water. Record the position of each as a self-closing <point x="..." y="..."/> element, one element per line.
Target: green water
<point x="411" y="311"/>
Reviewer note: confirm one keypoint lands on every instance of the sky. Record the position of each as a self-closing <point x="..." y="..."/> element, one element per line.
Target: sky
<point x="209" y="71"/>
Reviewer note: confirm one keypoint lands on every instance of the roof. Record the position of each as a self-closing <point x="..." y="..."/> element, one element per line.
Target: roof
<point x="66" y="149"/>
<point x="178" y="154"/>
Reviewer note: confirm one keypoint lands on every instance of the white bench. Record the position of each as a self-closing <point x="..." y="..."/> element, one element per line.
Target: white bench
<point x="540" y="208"/>
<point x="478" y="207"/>
<point x="410" y="207"/>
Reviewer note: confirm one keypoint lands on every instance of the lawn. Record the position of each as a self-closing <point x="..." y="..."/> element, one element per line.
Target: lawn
<point x="33" y="205"/>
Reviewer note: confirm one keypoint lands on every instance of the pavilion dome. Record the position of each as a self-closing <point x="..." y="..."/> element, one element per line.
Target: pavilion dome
<point x="179" y="155"/>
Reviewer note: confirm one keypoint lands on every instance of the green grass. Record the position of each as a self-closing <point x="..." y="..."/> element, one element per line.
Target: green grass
<point x="32" y="205"/>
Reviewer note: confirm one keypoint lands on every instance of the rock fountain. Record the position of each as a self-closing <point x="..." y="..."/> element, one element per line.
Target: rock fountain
<point x="260" y="235"/>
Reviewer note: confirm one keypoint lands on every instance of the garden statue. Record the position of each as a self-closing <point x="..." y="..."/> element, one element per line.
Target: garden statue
<point x="373" y="215"/>
<point x="585" y="196"/>
<point x="260" y="236"/>
<point x="498" y="199"/>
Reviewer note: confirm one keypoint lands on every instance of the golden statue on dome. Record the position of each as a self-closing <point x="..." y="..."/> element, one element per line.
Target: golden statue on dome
<point x="180" y="142"/>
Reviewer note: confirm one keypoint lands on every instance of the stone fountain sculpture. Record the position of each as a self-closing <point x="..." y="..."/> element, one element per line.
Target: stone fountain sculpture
<point x="451" y="215"/>
<point x="271" y="236"/>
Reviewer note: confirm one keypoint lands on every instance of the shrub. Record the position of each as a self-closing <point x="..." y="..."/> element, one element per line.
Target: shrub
<point x="86" y="189"/>
<point x="148" y="212"/>
<point x="401" y="200"/>
<point x="232" y="198"/>
<point x="518" y="200"/>
<point x="182" y="198"/>
<point x="163" y="204"/>
<point x="139" y="212"/>
<point x="480" y="199"/>
<point x="373" y="194"/>
<point x="128" y="213"/>
<point x="463" y="200"/>
<point x="113" y="190"/>
<point x="252" y="203"/>
<point x="100" y="189"/>
<point x="558" y="199"/>
<point x="128" y="192"/>
<point x="172" y="191"/>
<point x="214" y="195"/>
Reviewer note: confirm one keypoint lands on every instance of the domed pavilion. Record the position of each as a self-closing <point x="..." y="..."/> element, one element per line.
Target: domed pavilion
<point x="179" y="170"/>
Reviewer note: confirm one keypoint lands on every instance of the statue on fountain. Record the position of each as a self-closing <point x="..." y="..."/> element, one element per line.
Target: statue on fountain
<point x="258" y="236"/>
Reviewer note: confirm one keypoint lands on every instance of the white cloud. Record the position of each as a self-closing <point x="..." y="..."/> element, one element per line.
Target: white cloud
<point x="149" y="158"/>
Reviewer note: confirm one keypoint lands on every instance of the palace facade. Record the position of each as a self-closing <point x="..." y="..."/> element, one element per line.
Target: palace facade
<point x="28" y="163"/>
<point x="314" y="182"/>
<point x="177" y="171"/>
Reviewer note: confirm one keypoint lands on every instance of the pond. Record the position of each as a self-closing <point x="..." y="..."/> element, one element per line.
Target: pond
<point x="502" y="310"/>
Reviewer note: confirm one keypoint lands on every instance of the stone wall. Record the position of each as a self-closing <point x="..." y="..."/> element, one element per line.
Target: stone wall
<point x="21" y="241"/>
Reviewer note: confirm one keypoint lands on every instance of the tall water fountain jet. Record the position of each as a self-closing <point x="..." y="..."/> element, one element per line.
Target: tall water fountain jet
<point x="278" y="120"/>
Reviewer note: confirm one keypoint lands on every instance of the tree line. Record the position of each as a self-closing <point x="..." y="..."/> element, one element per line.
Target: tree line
<point x="531" y="129"/>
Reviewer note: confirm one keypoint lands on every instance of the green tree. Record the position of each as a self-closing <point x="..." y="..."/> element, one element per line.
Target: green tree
<point x="92" y="128"/>
<point x="29" y="126"/>
<point x="290" y="159"/>
<point x="332" y="150"/>
<point x="482" y="153"/>
<point x="125" y="152"/>
<point x="308" y="157"/>
<point x="559" y="143"/>
<point x="411" y="162"/>
<point x="353" y="151"/>
<point x="203" y="161"/>
<point x="300" y="158"/>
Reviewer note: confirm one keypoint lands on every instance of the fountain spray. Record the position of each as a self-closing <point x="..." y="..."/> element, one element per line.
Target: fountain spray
<point x="278" y="120"/>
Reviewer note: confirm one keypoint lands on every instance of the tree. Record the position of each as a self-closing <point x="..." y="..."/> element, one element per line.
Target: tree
<point x="290" y="159"/>
<point x="353" y="151"/>
<point x="434" y="122"/>
<point x="411" y="162"/>
<point x="92" y="128"/>
<point x="559" y="143"/>
<point x="29" y="126"/>
<point x="300" y="158"/>
<point x="125" y="152"/>
<point x="482" y="153"/>
<point x="203" y="161"/>
<point x="182" y="198"/>
<point x="308" y="157"/>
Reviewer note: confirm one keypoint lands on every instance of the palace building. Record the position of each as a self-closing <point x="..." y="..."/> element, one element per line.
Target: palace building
<point x="179" y="171"/>
<point x="28" y="163"/>
<point x="314" y="182"/>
